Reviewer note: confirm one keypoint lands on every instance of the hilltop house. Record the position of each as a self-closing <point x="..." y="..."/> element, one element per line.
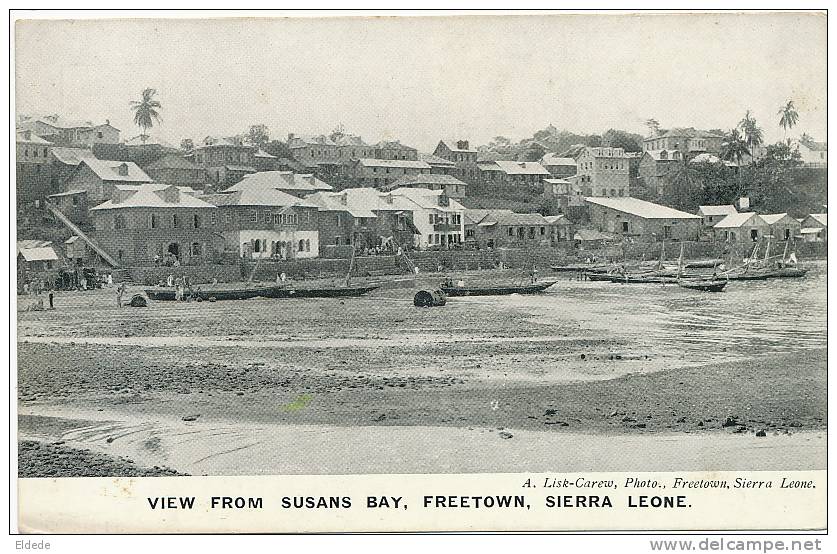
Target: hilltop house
<point x="603" y="171"/>
<point x="226" y="162"/>
<point x="173" y="169"/>
<point x="464" y="158"/>
<point x="33" y="172"/>
<point x="379" y="173"/>
<point x="655" y="166"/>
<point x="394" y="150"/>
<point x="147" y="222"/>
<point x="101" y="177"/>
<point x="65" y="132"/>
<point x="814" y="154"/>
<point x="522" y="175"/>
<point x="687" y="140"/>
<point x="635" y="218"/>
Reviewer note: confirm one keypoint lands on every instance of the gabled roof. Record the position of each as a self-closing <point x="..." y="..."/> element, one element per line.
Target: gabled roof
<point x="521" y="168"/>
<point x="401" y="164"/>
<point x="451" y="144"/>
<point x="488" y="165"/>
<point x="717" y="210"/>
<point x="32" y="243"/>
<point x="475" y="216"/>
<point x="262" y="154"/>
<point x="282" y="180"/>
<point x="428" y="199"/>
<point x="332" y="202"/>
<point x="816" y="146"/>
<point x="689" y="132"/>
<point x="71" y="156"/>
<point x="555" y="159"/>
<point x="172" y="161"/>
<point x="557" y="220"/>
<point x="772" y="219"/>
<point x="822" y="219"/>
<point x="640" y="208"/>
<point x="361" y="202"/>
<point x="433" y="159"/>
<point x="41" y="254"/>
<point x="108" y="170"/>
<point x="63" y="123"/>
<point x="30" y="138"/>
<point x="302" y="141"/>
<point x="152" y="195"/>
<point x="257" y="196"/>
<point x="424" y="179"/>
<point x="393" y="144"/>
<point x="736" y="220"/>
<point x="514" y="219"/>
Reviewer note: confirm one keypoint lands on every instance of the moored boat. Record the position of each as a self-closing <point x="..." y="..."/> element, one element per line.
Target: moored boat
<point x="701" y="285"/>
<point x="319" y="292"/>
<point x="496" y="290"/>
<point x="199" y="294"/>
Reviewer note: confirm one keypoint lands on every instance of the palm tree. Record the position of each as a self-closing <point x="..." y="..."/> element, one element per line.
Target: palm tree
<point x="734" y="148"/>
<point x="788" y="116"/>
<point x="752" y="132"/>
<point x="146" y="111"/>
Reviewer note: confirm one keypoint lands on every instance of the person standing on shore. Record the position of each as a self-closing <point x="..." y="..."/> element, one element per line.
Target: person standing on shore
<point x="120" y="290"/>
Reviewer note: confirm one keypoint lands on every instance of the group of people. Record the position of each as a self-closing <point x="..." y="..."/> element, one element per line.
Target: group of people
<point x="169" y="260"/>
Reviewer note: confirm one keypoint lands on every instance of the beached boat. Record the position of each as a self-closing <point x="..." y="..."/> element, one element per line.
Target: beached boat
<point x="319" y="292"/>
<point x="496" y="290"/>
<point x="705" y="286"/>
<point x="199" y="294"/>
<point x="703" y="264"/>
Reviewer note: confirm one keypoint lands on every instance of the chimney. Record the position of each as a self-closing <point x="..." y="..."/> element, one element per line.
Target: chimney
<point x="122" y="169"/>
<point x="107" y="122"/>
<point x="462" y="144"/>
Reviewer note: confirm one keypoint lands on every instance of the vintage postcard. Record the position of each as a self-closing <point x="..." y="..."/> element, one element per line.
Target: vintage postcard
<point x="395" y="272"/>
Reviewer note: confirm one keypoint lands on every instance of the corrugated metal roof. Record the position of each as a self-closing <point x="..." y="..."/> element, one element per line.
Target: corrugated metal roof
<point x="736" y="220"/>
<point x="71" y="156"/>
<point x="772" y="219"/>
<point x="424" y="179"/>
<point x="108" y="170"/>
<point x="640" y="208"/>
<point x="43" y="254"/>
<point x="521" y="168"/>
<point x="554" y="159"/>
<point x="284" y="180"/>
<point x="152" y="196"/>
<point x="820" y="218"/>
<point x="432" y="159"/>
<point x="717" y="210"/>
<point x="30" y="138"/>
<point x="405" y="164"/>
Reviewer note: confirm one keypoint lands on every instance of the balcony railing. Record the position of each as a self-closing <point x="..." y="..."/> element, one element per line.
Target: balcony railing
<point x="446" y="227"/>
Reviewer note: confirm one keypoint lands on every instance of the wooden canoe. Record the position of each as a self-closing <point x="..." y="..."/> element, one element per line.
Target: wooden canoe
<point x="497" y="290"/>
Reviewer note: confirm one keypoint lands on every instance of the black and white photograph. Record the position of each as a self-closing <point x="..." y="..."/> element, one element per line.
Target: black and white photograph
<point x="539" y="243"/>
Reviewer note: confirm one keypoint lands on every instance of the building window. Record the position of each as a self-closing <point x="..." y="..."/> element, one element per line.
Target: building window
<point x="228" y="218"/>
<point x="307" y="245"/>
<point x="196" y="221"/>
<point x="196" y="249"/>
<point x="153" y="222"/>
<point x="254" y="216"/>
<point x="543" y="231"/>
<point x="301" y="246"/>
<point x="119" y="221"/>
<point x="75" y="200"/>
<point x="174" y="222"/>
<point x="213" y="218"/>
<point x="624" y="226"/>
<point x="120" y="254"/>
<point x="511" y="231"/>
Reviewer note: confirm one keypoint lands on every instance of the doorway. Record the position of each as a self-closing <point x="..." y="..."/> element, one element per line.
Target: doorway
<point x="174" y="250"/>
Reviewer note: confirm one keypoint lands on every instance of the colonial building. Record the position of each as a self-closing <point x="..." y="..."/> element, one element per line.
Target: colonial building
<point x="635" y="218"/>
<point x="226" y="162"/>
<point x="316" y="150"/>
<point x="462" y="156"/>
<point x="565" y="196"/>
<point x="100" y="178"/>
<point x="141" y="224"/>
<point x="394" y="150"/>
<point x="263" y="222"/>
<point x="33" y="171"/>
<point x="452" y="186"/>
<point x="438" y="219"/>
<point x="173" y="169"/>
<point x="603" y="171"/>
<point x="364" y="218"/>
<point x="741" y="227"/>
<point x="522" y="175"/>
<point x="378" y="173"/>
<point x="814" y="154"/>
<point x="64" y="132"/>
<point x="710" y="215"/>
<point x="559" y="167"/>
<point x="655" y="166"/>
<point x="782" y="226"/>
<point x="438" y="165"/>
<point x="688" y="140"/>
<point x="504" y="228"/>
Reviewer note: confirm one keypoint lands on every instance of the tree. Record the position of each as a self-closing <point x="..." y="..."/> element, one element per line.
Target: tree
<point x="734" y="147"/>
<point x="629" y="142"/>
<point x="187" y="145"/>
<point x="788" y="116"/>
<point x="653" y="126"/>
<point x="146" y="111"/>
<point x="259" y="135"/>
<point x="533" y="152"/>
<point x="752" y="132"/>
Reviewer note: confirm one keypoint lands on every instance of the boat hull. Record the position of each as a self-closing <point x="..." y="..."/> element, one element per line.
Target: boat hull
<point x="168" y="294"/>
<point x="706" y="286"/>
<point x="338" y="292"/>
<point x="497" y="290"/>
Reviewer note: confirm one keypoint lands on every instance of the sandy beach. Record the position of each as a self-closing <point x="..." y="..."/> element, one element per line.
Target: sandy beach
<point x="588" y="376"/>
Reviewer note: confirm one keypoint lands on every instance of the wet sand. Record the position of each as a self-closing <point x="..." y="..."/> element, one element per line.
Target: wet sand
<point x="346" y="385"/>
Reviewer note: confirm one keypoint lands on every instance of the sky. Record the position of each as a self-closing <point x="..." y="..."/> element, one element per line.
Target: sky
<point x="422" y="79"/>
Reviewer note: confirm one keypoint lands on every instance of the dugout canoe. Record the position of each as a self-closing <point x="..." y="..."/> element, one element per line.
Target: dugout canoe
<point x="497" y="290"/>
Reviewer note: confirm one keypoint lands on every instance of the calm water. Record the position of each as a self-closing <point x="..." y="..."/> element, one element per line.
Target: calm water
<point x="748" y="318"/>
